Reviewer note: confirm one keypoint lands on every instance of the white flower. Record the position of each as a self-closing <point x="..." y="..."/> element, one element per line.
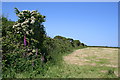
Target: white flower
<point x="27" y="32"/>
<point x="17" y="31"/>
<point x="33" y="12"/>
<point x="33" y="50"/>
<point x="25" y="22"/>
<point x="32" y="17"/>
<point x="32" y="22"/>
<point x="27" y="25"/>
<point x="23" y="26"/>
<point x="24" y="29"/>
<point x="13" y="26"/>
<point x="18" y="28"/>
<point x="31" y="31"/>
<point x="22" y="13"/>
<point x="18" y="15"/>
<point x="25" y="10"/>
<point x="19" y="24"/>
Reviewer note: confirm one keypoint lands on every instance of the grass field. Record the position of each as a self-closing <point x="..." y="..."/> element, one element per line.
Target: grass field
<point x="88" y="62"/>
<point x="94" y="62"/>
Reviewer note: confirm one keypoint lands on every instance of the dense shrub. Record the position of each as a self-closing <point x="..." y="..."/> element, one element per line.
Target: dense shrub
<point x="22" y="42"/>
<point x="25" y="42"/>
<point x="58" y="46"/>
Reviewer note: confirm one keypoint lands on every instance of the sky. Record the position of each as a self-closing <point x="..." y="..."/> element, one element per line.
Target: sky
<point x="93" y="23"/>
<point x="59" y="0"/>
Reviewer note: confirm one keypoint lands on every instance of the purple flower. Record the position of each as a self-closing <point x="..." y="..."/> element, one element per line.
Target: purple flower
<point x="36" y="51"/>
<point x="25" y="41"/>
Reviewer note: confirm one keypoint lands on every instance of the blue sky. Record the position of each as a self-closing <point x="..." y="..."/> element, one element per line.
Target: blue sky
<point x="93" y="23"/>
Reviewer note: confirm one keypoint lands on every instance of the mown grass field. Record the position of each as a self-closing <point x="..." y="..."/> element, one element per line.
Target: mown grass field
<point x="94" y="62"/>
<point x="84" y="63"/>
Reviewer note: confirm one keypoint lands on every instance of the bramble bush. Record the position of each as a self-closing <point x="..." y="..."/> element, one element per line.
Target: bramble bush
<point x="24" y="42"/>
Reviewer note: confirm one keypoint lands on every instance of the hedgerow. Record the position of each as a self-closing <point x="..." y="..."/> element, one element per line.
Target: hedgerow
<point x="25" y="44"/>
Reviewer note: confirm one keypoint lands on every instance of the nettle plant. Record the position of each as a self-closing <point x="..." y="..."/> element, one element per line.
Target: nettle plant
<point x="30" y="30"/>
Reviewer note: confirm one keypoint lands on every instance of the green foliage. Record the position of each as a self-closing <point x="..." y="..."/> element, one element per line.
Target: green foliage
<point x="6" y="33"/>
<point x="76" y="43"/>
<point x="30" y="25"/>
<point x="58" y="46"/>
<point x="6" y="26"/>
<point x="18" y="58"/>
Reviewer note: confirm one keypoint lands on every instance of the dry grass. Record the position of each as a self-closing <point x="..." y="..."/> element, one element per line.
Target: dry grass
<point x="94" y="56"/>
<point x="103" y="59"/>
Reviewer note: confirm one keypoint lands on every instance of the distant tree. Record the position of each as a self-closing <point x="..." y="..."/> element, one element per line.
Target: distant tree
<point x="60" y="38"/>
<point x="82" y="44"/>
<point x="70" y="39"/>
<point x="76" y="43"/>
